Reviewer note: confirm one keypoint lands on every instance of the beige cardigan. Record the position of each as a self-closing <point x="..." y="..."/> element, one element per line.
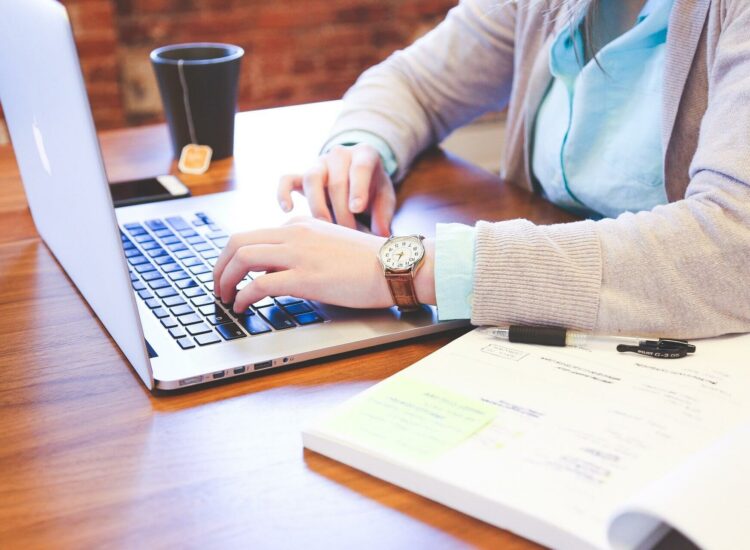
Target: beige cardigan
<point x="681" y="269"/>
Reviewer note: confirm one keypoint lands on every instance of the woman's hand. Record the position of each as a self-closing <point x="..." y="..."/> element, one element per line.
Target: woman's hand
<point x="344" y="182"/>
<point x="314" y="260"/>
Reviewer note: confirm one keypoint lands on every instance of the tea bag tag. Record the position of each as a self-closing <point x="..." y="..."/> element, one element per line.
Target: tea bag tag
<point x="195" y="159"/>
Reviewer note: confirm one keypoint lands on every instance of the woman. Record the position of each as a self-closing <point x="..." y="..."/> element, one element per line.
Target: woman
<point x="632" y="113"/>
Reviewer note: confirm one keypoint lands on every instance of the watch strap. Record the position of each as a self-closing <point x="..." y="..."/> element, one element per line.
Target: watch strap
<point x="402" y="290"/>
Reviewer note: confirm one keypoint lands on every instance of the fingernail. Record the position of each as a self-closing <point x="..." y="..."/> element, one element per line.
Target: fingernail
<point x="355" y="204"/>
<point x="284" y="206"/>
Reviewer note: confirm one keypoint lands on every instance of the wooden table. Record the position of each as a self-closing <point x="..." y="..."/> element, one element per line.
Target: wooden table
<point x="89" y="458"/>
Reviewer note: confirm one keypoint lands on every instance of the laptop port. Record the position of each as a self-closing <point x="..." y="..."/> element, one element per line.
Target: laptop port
<point x="239" y="370"/>
<point x="218" y="375"/>
<point x="190" y="381"/>
<point x="263" y="365"/>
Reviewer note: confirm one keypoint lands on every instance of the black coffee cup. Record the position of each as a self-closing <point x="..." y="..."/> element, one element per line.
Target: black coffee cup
<point x="199" y="85"/>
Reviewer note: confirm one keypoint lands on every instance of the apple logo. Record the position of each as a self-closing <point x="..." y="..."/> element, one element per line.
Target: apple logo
<point x="40" y="147"/>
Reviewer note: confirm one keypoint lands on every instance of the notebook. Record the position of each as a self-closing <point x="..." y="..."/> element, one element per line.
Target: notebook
<point x="568" y="447"/>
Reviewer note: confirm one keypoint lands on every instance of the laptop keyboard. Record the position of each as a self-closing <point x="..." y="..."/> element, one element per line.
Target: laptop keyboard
<point x="171" y="265"/>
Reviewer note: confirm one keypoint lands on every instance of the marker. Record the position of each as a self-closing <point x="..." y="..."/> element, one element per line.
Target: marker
<point x="663" y="348"/>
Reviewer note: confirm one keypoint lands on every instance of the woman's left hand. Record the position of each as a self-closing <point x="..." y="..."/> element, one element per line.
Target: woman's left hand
<point x="309" y="259"/>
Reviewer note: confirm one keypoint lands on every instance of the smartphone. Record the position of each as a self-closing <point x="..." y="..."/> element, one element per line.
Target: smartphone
<point x="160" y="188"/>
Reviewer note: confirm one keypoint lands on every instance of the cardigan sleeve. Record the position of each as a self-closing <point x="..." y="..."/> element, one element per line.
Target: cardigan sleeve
<point x="459" y="70"/>
<point x="679" y="270"/>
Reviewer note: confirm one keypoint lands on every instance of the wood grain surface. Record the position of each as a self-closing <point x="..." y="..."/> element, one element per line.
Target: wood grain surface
<point x="89" y="458"/>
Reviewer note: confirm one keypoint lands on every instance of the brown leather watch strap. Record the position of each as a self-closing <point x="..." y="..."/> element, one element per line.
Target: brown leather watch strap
<point x="402" y="290"/>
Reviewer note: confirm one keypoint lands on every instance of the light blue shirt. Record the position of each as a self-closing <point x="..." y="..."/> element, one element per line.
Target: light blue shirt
<point x="597" y="138"/>
<point x="597" y="146"/>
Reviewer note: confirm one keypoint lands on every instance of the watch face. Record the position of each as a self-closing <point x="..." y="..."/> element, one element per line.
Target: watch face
<point x="401" y="253"/>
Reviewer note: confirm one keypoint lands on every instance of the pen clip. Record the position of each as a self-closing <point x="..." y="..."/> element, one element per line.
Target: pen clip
<point x="664" y="348"/>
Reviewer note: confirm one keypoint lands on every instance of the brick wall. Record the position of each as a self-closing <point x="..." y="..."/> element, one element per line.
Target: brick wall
<point x="297" y="51"/>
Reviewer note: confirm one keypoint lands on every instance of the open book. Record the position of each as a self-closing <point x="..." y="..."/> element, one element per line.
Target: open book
<point x="571" y="448"/>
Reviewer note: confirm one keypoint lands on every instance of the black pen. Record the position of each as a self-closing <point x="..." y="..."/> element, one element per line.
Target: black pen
<point x="663" y="348"/>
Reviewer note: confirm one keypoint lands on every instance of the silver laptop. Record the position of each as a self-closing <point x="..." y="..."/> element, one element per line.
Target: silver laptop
<point x="146" y="270"/>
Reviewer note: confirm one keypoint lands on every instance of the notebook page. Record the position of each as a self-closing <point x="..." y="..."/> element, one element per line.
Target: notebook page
<point x="575" y="432"/>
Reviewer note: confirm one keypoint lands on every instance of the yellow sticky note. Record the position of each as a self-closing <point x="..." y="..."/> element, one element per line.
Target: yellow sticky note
<point x="411" y="419"/>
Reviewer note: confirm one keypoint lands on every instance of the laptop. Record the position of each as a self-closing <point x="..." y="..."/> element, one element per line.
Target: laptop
<point x="146" y="270"/>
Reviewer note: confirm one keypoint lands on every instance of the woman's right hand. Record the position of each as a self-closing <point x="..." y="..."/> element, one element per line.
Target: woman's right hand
<point x="345" y="181"/>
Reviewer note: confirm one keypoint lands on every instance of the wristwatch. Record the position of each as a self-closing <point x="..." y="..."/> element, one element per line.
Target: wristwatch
<point x="401" y="257"/>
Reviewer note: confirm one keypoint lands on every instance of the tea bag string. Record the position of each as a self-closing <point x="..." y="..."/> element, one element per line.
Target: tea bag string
<point x="186" y="100"/>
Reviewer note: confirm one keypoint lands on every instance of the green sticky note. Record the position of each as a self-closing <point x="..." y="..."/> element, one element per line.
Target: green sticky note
<point x="411" y="419"/>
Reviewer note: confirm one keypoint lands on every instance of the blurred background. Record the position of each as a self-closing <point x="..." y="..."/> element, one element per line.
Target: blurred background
<point x="296" y="51"/>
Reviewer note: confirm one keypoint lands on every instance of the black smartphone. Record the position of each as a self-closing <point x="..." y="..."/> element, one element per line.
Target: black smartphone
<point x="160" y="188"/>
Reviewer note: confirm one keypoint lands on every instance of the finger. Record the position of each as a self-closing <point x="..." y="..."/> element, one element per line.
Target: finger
<point x="259" y="257"/>
<point x="313" y="184"/>
<point x="361" y="175"/>
<point x="260" y="236"/>
<point x="338" y="188"/>
<point x="278" y="283"/>
<point x="287" y="184"/>
<point x="383" y="206"/>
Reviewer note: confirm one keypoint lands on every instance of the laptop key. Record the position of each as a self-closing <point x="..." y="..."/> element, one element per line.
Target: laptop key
<point x="151" y="275"/>
<point x="230" y="331"/>
<point x="178" y="275"/>
<point x="137" y="260"/>
<point x="218" y="317"/>
<point x="297" y="309"/>
<point x="130" y="252"/>
<point x="206" y="277"/>
<point x="174" y="301"/>
<point x="202" y="300"/>
<point x="196" y="239"/>
<point x="190" y="262"/>
<point x="308" y="318"/>
<point x="203" y="247"/>
<point x="187" y="233"/>
<point x="186" y="283"/>
<point x="189" y="319"/>
<point x="155" y="225"/>
<point x="162" y="260"/>
<point x="209" y="254"/>
<point x="177" y="247"/>
<point x="184" y="254"/>
<point x="149" y="245"/>
<point x="253" y="324"/>
<point x="152" y="303"/>
<point x="199" y="269"/>
<point x="170" y="240"/>
<point x="160" y="312"/>
<point x="276" y="316"/>
<point x="177" y="332"/>
<point x="168" y="322"/>
<point x="169" y="268"/>
<point x="143" y="238"/>
<point x="185" y="343"/>
<point x="287" y="300"/>
<point x="177" y="223"/>
<point x="156" y="252"/>
<point x="222" y="242"/>
<point x="138" y="285"/>
<point x="208" y="338"/>
<point x="142" y="268"/>
<point x="193" y="292"/>
<point x="145" y="294"/>
<point x="198" y="328"/>
<point x="166" y="292"/>
<point x="158" y="283"/>
<point x="182" y="309"/>
<point x="210" y="309"/>
<point x="263" y="302"/>
<point x="161" y="233"/>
